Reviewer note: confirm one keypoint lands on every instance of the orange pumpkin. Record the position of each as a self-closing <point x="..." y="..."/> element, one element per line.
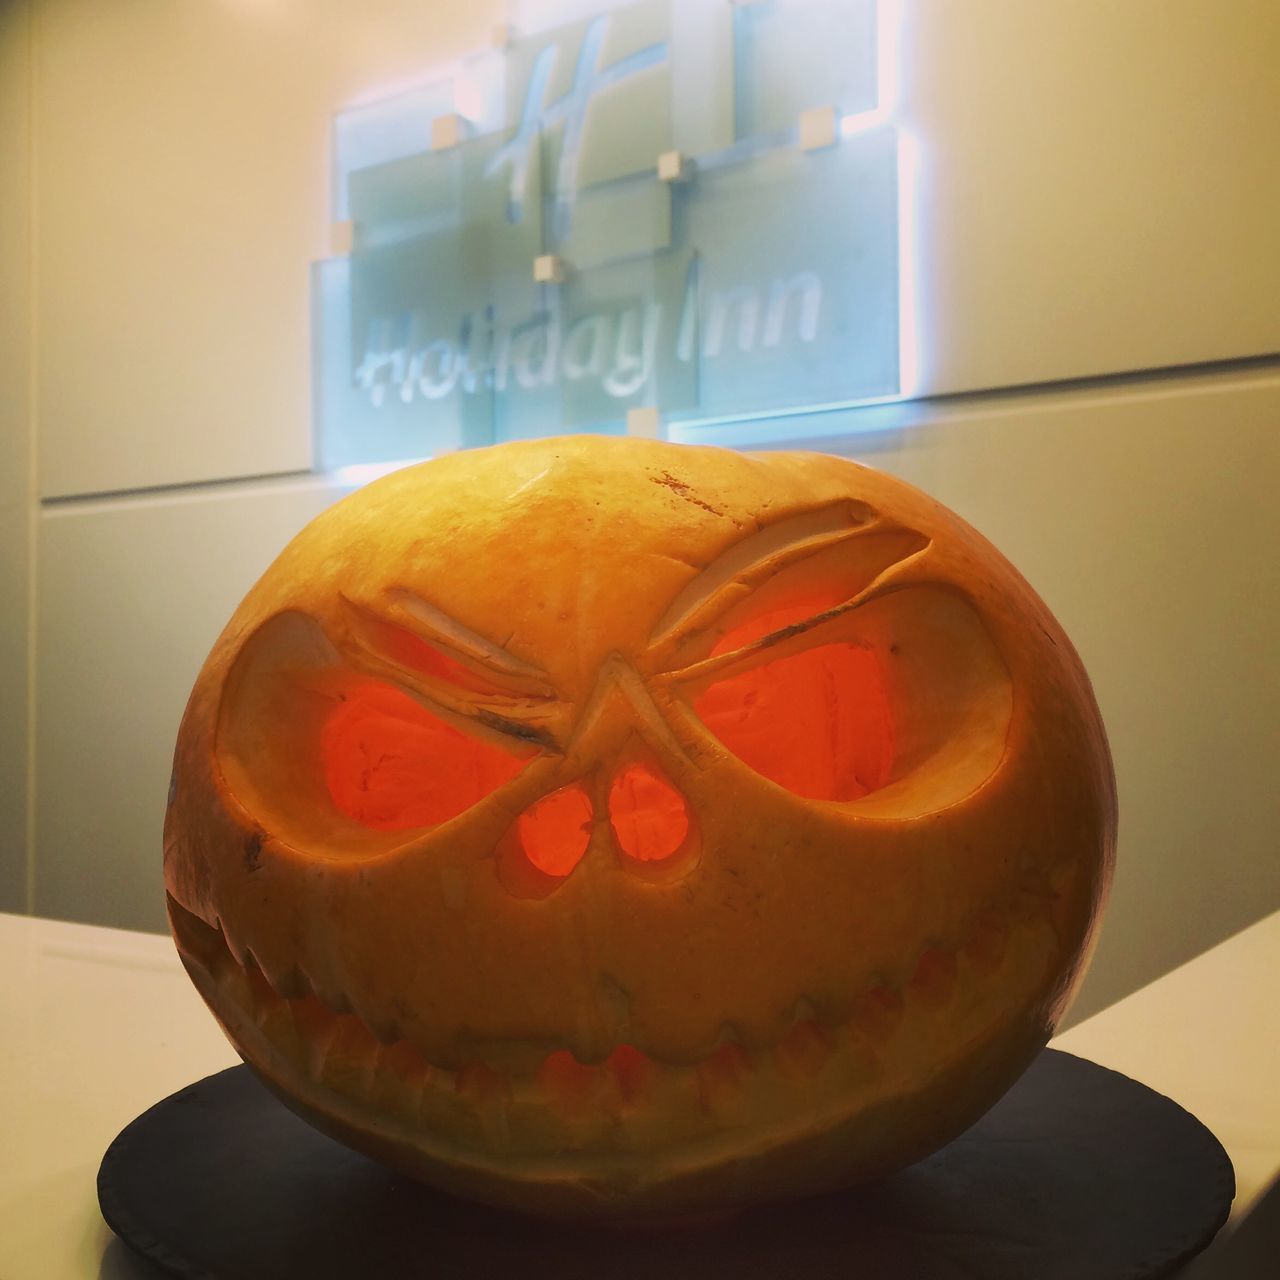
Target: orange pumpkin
<point x="609" y="827"/>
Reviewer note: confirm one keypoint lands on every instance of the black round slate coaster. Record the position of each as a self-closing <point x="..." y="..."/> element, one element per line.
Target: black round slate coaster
<point x="1078" y="1173"/>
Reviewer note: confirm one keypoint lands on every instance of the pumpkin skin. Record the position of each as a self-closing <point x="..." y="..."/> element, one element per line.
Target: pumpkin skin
<point x="495" y="860"/>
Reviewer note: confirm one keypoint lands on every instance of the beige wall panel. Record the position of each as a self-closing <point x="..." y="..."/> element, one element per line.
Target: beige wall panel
<point x="133" y="594"/>
<point x="1146" y="518"/>
<point x="1097" y="192"/>
<point x="15" y="446"/>
<point x="183" y="154"/>
<point x="1098" y="185"/>
<point x="14" y="522"/>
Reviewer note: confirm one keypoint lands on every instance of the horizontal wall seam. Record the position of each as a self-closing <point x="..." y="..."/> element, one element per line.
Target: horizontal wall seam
<point x="291" y="479"/>
<point x="1162" y="376"/>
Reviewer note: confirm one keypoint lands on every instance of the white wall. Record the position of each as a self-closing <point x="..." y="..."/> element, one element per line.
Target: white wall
<point x="1098" y="194"/>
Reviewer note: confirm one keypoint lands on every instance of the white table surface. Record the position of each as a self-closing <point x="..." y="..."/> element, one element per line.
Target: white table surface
<point x="99" y="1024"/>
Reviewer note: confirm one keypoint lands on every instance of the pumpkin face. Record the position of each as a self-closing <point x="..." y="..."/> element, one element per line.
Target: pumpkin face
<point x="600" y="826"/>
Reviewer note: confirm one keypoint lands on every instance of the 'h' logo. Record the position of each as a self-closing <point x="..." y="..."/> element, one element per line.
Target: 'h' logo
<point x="538" y="116"/>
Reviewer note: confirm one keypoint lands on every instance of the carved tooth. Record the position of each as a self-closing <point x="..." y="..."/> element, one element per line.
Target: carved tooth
<point x="347" y="1067"/>
<point x="571" y="1086"/>
<point x="240" y="954"/>
<point x="401" y="1059"/>
<point x="334" y="997"/>
<point x="201" y="944"/>
<point x="722" y="1076"/>
<point x="286" y="981"/>
<point x="316" y="1027"/>
<point x="233" y="984"/>
<point x="876" y="1014"/>
<point x="633" y="1071"/>
<point x="261" y="995"/>
<point x="294" y="983"/>
<point x="278" y="1028"/>
<point x="804" y="1050"/>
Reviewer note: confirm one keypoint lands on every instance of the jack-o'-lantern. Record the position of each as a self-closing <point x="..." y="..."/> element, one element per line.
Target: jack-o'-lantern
<point x="609" y="827"/>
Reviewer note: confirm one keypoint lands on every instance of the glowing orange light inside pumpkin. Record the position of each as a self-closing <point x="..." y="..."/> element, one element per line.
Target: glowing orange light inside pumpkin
<point x="787" y="615"/>
<point x="555" y="832"/>
<point x="390" y="763"/>
<point x="417" y="654"/>
<point x="816" y="722"/>
<point x="632" y="1069"/>
<point x="647" y="813"/>
<point x="571" y="1083"/>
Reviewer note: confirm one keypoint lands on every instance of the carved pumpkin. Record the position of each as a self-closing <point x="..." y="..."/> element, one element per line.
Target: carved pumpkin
<point x="607" y="827"/>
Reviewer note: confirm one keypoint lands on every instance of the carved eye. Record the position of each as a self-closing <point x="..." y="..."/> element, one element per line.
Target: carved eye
<point x="815" y="659"/>
<point x="817" y="722"/>
<point x="398" y="735"/>
<point x="391" y="764"/>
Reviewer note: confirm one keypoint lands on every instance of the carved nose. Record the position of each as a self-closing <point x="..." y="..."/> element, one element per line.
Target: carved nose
<point x="555" y="831"/>
<point x="648" y="815"/>
<point x="621" y="777"/>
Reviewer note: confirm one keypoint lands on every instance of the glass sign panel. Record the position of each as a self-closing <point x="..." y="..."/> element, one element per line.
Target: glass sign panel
<point x="691" y="207"/>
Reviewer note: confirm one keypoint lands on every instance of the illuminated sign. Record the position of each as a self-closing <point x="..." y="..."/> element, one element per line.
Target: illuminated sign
<point x="689" y="206"/>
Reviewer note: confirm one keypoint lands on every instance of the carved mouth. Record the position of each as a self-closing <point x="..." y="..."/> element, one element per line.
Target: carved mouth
<point x="338" y="1049"/>
<point x="338" y="1068"/>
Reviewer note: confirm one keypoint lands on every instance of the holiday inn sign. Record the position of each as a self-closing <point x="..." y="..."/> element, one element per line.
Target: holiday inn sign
<point x="690" y="208"/>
